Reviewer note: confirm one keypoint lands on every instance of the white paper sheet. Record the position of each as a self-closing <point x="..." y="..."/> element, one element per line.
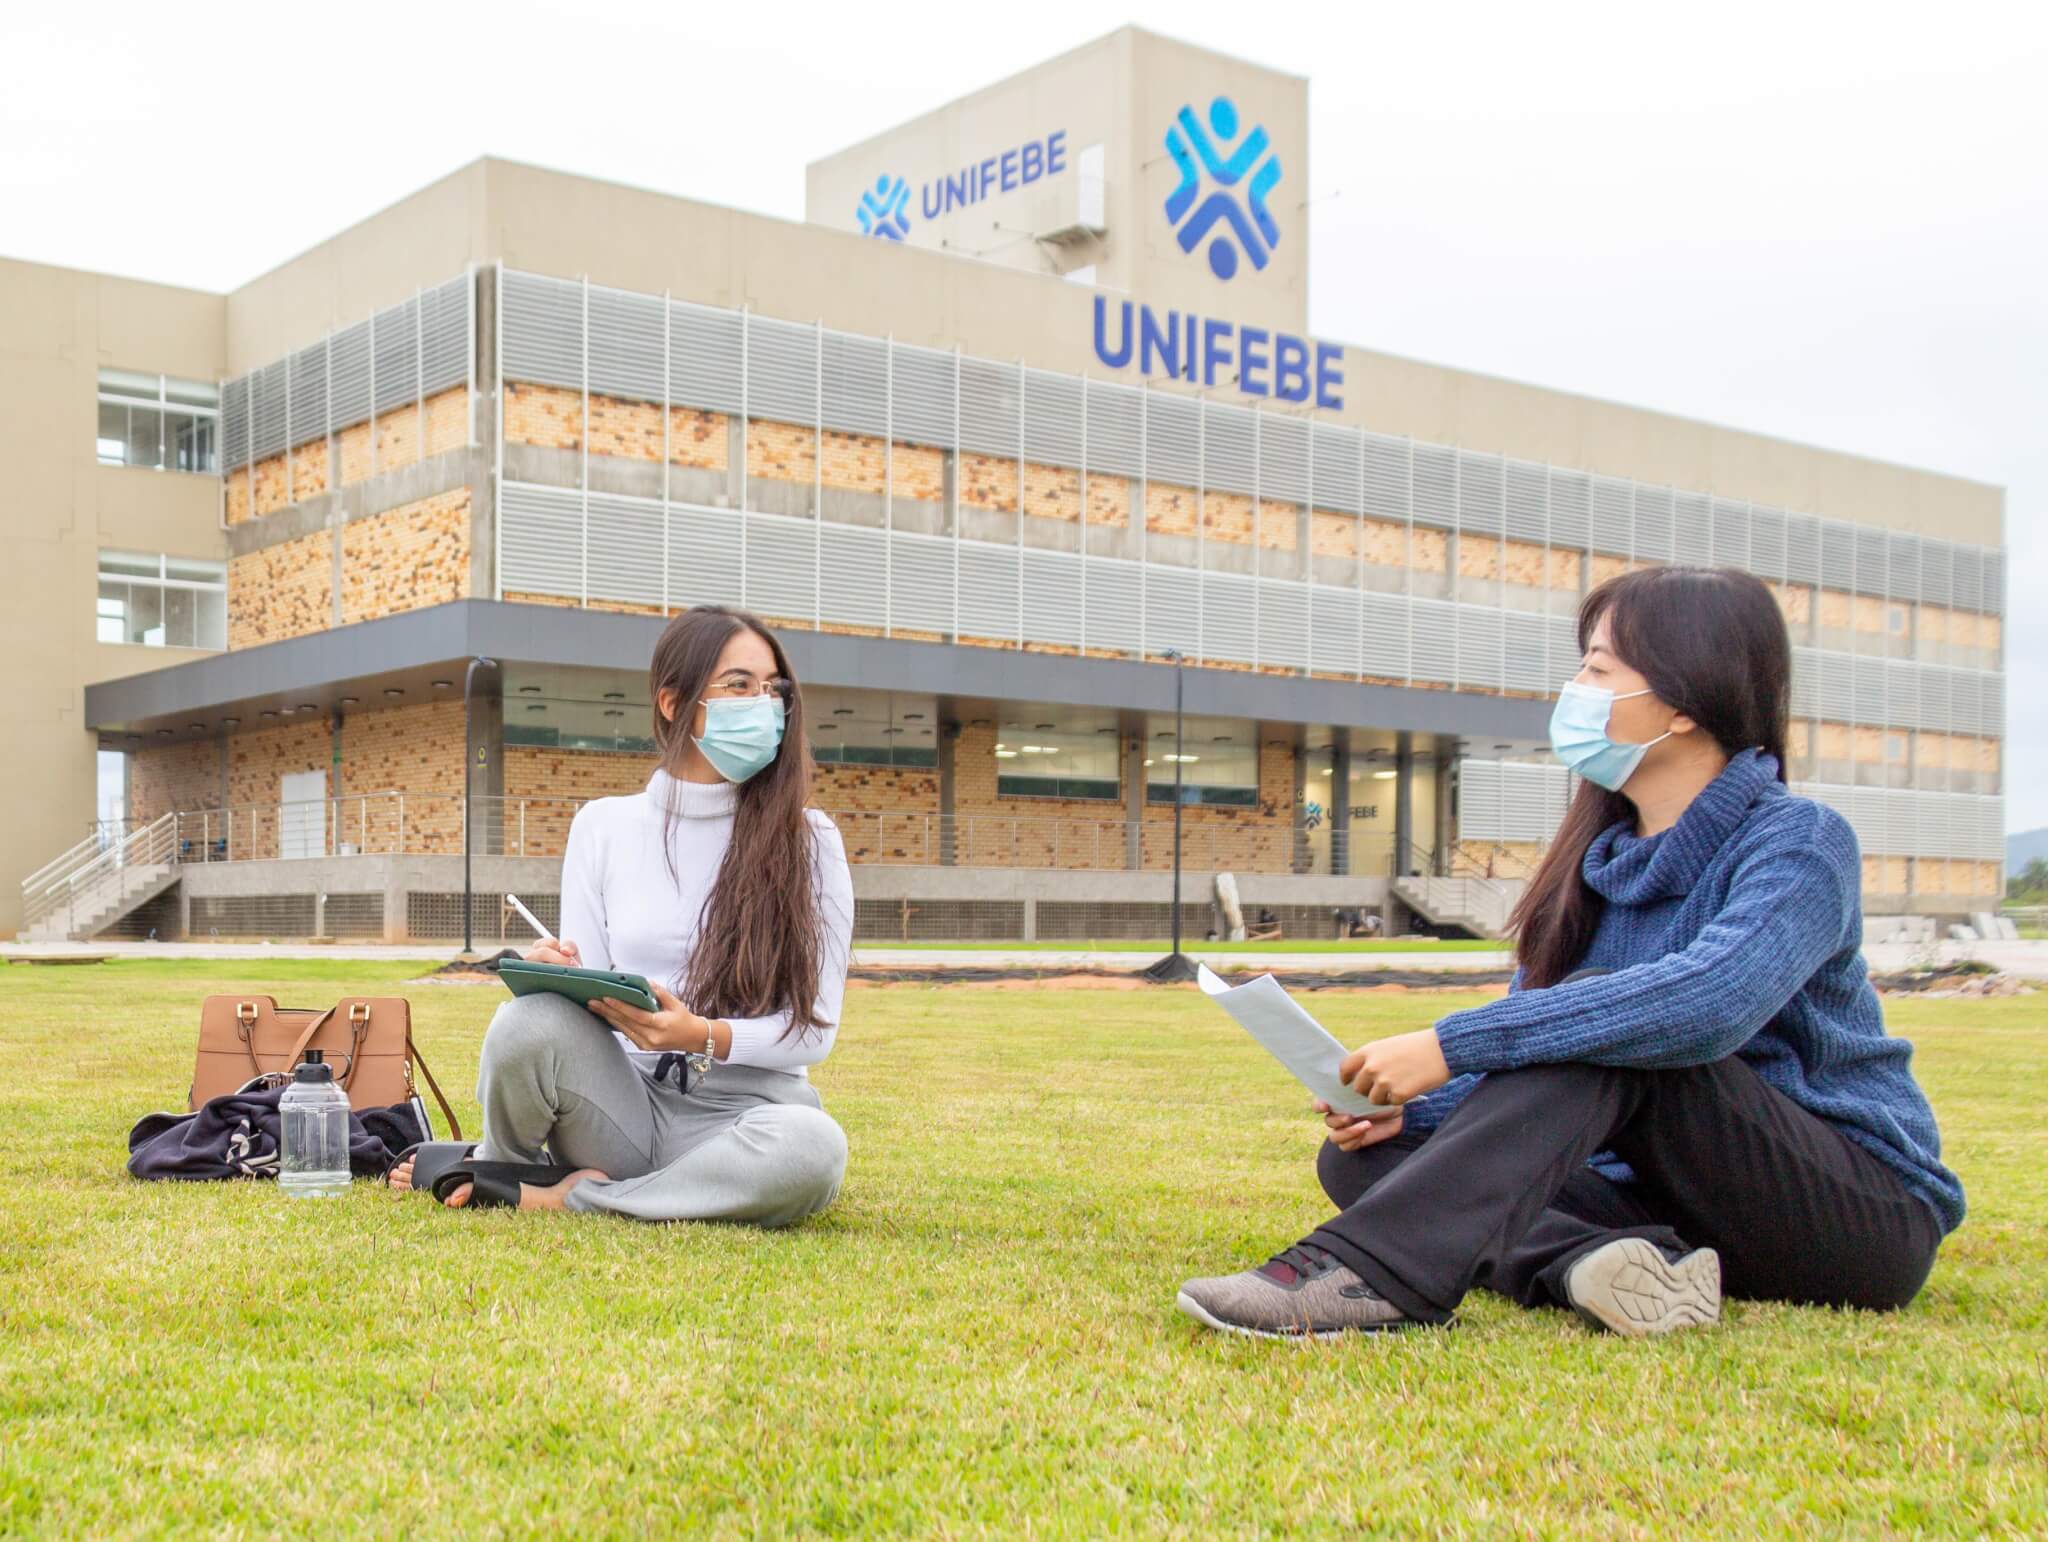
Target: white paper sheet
<point x="1290" y="1035"/>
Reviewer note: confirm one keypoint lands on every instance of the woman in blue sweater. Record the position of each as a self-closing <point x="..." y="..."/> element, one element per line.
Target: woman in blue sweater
<point x="1689" y="1086"/>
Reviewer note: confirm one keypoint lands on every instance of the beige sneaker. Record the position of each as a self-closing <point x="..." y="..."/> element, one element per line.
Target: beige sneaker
<point x="1629" y="1287"/>
<point x="1301" y="1293"/>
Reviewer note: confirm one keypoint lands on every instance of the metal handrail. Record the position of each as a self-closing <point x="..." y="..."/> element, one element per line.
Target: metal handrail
<point x="1496" y="902"/>
<point x="396" y="822"/>
<point x="150" y="845"/>
<point x="84" y="851"/>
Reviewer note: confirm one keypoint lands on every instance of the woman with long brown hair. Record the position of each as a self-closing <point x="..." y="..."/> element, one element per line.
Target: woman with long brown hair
<point x="1689" y="1085"/>
<point x="732" y="896"/>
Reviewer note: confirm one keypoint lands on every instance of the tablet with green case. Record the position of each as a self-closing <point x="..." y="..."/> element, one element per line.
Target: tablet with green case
<point x="524" y="979"/>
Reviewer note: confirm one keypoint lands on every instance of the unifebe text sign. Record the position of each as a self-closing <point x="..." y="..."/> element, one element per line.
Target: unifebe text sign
<point x="1208" y="352"/>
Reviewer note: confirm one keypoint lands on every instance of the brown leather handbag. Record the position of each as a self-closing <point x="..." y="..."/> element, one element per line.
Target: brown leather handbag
<point x="367" y="1039"/>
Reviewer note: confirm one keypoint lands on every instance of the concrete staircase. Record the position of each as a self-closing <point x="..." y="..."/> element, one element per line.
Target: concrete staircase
<point x="91" y="886"/>
<point x="1480" y="905"/>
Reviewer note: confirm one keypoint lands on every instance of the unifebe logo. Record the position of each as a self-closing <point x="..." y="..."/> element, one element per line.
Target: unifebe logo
<point x="1251" y="223"/>
<point x="884" y="209"/>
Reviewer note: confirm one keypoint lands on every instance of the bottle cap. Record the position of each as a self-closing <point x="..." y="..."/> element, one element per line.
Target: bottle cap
<point x="313" y="1069"/>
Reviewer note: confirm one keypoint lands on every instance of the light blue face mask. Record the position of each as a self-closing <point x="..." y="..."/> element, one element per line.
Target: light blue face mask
<point x="1578" y="732"/>
<point x="741" y="734"/>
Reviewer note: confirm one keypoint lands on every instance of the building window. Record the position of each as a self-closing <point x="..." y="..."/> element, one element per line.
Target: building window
<point x="566" y="723"/>
<point x="158" y="422"/>
<point x="161" y="602"/>
<point x="1219" y="762"/>
<point x="1034" y="763"/>
<point x="875" y="755"/>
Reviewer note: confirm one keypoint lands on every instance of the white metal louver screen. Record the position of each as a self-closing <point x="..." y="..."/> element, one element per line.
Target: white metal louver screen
<point x="1283" y="624"/>
<point x="626" y="344"/>
<point x="625" y="550"/>
<point x="921" y="394"/>
<point x="444" y="336"/>
<point x="704" y="358"/>
<point x="395" y="355"/>
<point x="1172" y="611"/>
<point x="1571" y="509"/>
<point x="990" y="591"/>
<point x="541" y="330"/>
<point x="704" y="557"/>
<point x="1387" y="636"/>
<point x="854" y="575"/>
<point x="308" y="391"/>
<point x="855" y="373"/>
<point x="1336" y="633"/>
<point x="540" y="534"/>
<point x="1173" y="435"/>
<point x="990" y="407"/>
<point x="1229" y="620"/>
<point x="921" y="583"/>
<point x="782" y="371"/>
<point x="1481" y="490"/>
<point x="1052" y="593"/>
<point x="782" y="570"/>
<point x="348" y="379"/>
<point x="1480" y="646"/>
<point x="1111" y="603"/>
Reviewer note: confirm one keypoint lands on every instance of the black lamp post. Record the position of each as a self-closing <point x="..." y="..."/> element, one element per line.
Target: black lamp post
<point x="1176" y="966"/>
<point x="468" y="784"/>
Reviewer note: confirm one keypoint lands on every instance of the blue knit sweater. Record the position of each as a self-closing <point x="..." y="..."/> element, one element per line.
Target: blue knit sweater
<point x="1735" y="932"/>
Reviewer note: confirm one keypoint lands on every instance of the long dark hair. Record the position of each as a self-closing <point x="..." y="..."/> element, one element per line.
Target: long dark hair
<point x="1711" y="642"/>
<point x="757" y="948"/>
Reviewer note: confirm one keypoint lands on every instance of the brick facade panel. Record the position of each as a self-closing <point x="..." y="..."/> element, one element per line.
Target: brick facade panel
<point x="173" y="778"/>
<point x="282" y="591"/>
<point x="406" y="558"/>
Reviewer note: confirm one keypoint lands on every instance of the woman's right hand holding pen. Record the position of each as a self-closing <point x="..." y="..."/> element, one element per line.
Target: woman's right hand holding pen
<point x="557" y="950"/>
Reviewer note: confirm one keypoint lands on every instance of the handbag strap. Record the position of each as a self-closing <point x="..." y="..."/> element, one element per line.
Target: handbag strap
<point x="454" y="1124"/>
<point x="306" y="1038"/>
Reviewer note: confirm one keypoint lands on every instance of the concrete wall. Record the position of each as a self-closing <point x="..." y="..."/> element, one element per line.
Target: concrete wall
<point x="57" y="328"/>
<point x="538" y="880"/>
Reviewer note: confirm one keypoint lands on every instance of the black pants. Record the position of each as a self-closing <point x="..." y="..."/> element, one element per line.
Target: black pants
<point x="1500" y="1196"/>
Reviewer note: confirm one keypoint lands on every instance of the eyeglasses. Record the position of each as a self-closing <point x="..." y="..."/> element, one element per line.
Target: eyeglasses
<point x="740" y="686"/>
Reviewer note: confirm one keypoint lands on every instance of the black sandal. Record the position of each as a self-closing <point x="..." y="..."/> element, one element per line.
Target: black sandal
<point x="439" y="1167"/>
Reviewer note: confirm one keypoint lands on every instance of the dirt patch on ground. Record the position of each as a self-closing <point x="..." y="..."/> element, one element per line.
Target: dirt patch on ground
<point x="1951" y="982"/>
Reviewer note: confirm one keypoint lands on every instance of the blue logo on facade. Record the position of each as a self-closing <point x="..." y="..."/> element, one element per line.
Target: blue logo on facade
<point x="884" y="209"/>
<point x="1255" y="230"/>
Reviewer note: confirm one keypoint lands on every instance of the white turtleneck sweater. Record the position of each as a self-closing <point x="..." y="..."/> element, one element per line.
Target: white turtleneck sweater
<point x="624" y="910"/>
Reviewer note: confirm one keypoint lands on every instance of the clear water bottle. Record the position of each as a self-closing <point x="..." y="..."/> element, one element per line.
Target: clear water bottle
<point x="313" y="1145"/>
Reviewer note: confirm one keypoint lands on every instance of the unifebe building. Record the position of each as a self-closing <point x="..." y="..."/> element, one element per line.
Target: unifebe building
<point x="1028" y="403"/>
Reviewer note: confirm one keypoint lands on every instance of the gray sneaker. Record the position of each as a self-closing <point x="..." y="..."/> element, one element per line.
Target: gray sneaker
<point x="1629" y="1287"/>
<point x="1302" y="1293"/>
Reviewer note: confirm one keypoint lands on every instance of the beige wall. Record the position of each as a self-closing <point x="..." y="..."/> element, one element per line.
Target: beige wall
<point x="421" y="240"/>
<point x="57" y="327"/>
<point x="1121" y="91"/>
<point x="553" y="223"/>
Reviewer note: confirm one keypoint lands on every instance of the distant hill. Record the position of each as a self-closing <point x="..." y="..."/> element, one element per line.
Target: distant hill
<point x="2022" y="848"/>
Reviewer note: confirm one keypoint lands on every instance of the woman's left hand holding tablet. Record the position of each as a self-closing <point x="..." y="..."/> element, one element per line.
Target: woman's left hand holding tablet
<point x="1398" y="1069"/>
<point x="674" y="1027"/>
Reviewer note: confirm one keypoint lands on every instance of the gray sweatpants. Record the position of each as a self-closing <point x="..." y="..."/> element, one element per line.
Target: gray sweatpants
<point x="741" y="1145"/>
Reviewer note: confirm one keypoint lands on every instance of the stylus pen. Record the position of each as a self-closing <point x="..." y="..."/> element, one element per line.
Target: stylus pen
<point x="532" y="920"/>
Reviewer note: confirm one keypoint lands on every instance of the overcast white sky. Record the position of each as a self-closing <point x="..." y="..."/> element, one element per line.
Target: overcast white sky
<point x="1826" y="222"/>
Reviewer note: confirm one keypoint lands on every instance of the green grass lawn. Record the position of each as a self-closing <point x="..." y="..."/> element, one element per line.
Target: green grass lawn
<point x="979" y="1337"/>
<point x="1197" y="946"/>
